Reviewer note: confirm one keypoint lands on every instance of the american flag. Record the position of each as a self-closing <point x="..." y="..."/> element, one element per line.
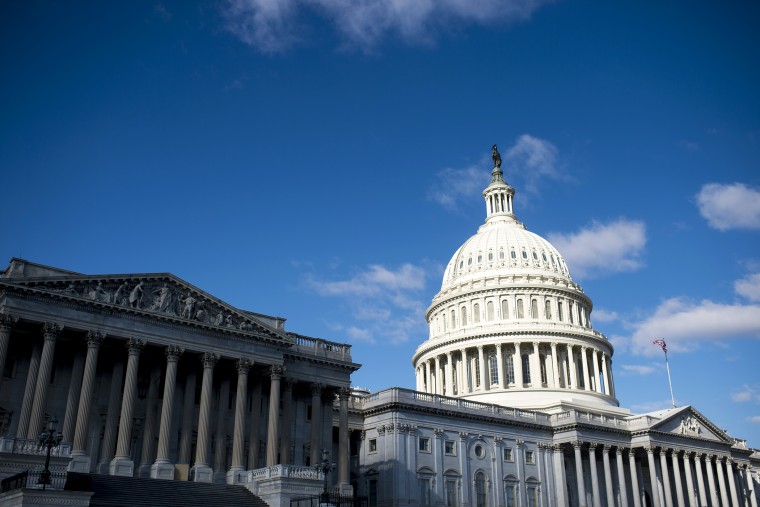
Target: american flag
<point x="661" y="343"/>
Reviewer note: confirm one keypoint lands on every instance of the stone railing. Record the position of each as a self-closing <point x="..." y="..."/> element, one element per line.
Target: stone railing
<point x="322" y="348"/>
<point x="31" y="446"/>
<point x="599" y="418"/>
<point x="281" y="471"/>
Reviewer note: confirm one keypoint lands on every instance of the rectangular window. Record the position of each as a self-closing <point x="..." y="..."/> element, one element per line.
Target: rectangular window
<point x="560" y="317"/>
<point x="510" y="370"/>
<point x="425" y="491"/>
<point x="520" y="312"/>
<point x="477" y="372"/>
<point x="532" y="497"/>
<point x="451" y="493"/>
<point x="493" y="369"/>
<point x="372" y="445"/>
<point x="424" y="444"/>
<point x="372" y="493"/>
<point x="449" y="447"/>
<point x="507" y="451"/>
<point x="511" y="495"/>
<point x="530" y="457"/>
<point x="504" y="309"/>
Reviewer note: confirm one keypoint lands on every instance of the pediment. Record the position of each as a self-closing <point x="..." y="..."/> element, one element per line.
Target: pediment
<point x="688" y="422"/>
<point x="162" y="295"/>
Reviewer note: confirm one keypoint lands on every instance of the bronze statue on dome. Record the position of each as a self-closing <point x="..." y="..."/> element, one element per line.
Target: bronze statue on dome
<point x="496" y="157"/>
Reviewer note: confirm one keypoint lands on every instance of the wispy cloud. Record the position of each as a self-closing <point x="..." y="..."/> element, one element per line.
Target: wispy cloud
<point x="385" y="303"/>
<point x="746" y="394"/>
<point x="637" y="369"/>
<point x="602" y="248"/>
<point x="453" y="186"/>
<point x="601" y="315"/>
<point x="270" y="25"/>
<point x="755" y="419"/>
<point x="732" y="206"/>
<point x="749" y="287"/>
<point x="531" y="161"/>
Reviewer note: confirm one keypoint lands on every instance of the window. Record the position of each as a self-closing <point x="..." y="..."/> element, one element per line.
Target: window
<point x="449" y="447"/>
<point x="501" y="255"/>
<point x="490" y="256"/>
<point x="480" y="451"/>
<point x="513" y="254"/>
<point x="520" y="311"/>
<point x="493" y="367"/>
<point x="559" y="312"/>
<point x="530" y="457"/>
<point x="477" y="373"/>
<point x="504" y="309"/>
<point x="372" y="493"/>
<point x="543" y="370"/>
<point x="372" y="445"/>
<point x="535" y="255"/>
<point x="526" y="369"/>
<point x="543" y="254"/>
<point x="534" y="308"/>
<point x="507" y="454"/>
<point x="480" y="490"/>
<point x="532" y="497"/>
<point x="525" y="254"/>
<point x="511" y="490"/>
<point x="453" y="319"/>
<point x="510" y="370"/>
<point x="425" y="491"/>
<point x="424" y="444"/>
<point x="469" y="261"/>
<point x="489" y="310"/>
<point x="464" y="315"/>
<point x="480" y="258"/>
<point x="548" y="309"/>
<point x="570" y="312"/>
<point x="476" y="313"/>
<point x="451" y="493"/>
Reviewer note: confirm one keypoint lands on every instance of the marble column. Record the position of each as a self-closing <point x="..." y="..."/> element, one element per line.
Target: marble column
<point x="273" y="421"/>
<point x="108" y="446"/>
<point x="711" y="480"/>
<point x="573" y="368"/>
<point x="719" y="460"/>
<point x="316" y="424"/>
<point x="689" y="481"/>
<point x="7" y="321"/>
<point x="201" y="471"/>
<point x="235" y="474"/>
<point x="50" y="333"/>
<point x="438" y="376"/>
<point x="665" y="477"/>
<point x="255" y="425"/>
<point x="597" y="497"/>
<point x="653" y="479"/>
<point x="449" y="375"/>
<point x="677" y="477"/>
<point x="729" y="466"/>
<point x="188" y="409"/>
<point x="482" y="369"/>
<point x="286" y="429"/>
<point x="28" y="399"/>
<point x="635" y="490"/>
<point x="579" y="474"/>
<point x="122" y="463"/>
<point x="605" y="375"/>
<point x="751" y="489"/>
<point x="584" y="364"/>
<point x="343" y="467"/>
<point x="535" y="365"/>
<point x="608" y="476"/>
<point x="163" y="468"/>
<point x="72" y="400"/>
<point x="148" y="452"/>
<point x="597" y="381"/>
<point x="621" y="477"/>
<point x="517" y="364"/>
<point x="559" y="475"/>
<point x="80" y="459"/>
<point x="700" y="480"/>
<point x="428" y="378"/>
<point x="220" y="436"/>
<point x="500" y="367"/>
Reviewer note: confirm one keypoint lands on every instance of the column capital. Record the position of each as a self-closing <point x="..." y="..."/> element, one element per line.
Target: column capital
<point x="95" y="338"/>
<point x="649" y="449"/>
<point x="577" y="444"/>
<point x="51" y="330"/>
<point x="317" y="389"/>
<point x="438" y="432"/>
<point x="344" y="393"/>
<point x="592" y="446"/>
<point x="480" y="347"/>
<point x="243" y="366"/>
<point x="584" y="348"/>
<point x="7" y="320"/>
<point x="173" y="352"/>
<point x="687" y="455"/>
<point x="620" y="450"/>
<point x="135" y="345"/>
<point x="553" y="345"/>
<point x="606" y="448"/>
<point x="276" y="371"/>
<point x="290" y="383"/>
<point x="519" y="443"/>
<point x="556" y="447"/>
<point x="209" y="359"/>
<point x="463" y="435"/>
<point x="699" y="455"/>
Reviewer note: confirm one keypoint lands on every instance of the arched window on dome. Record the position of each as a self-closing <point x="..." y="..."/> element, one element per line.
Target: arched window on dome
<point x="524" y="254"/>
<point x="453" y="319"/>
<point x="520" y="309"/>
<point x="489" y="311"/>
<point x="535" y="255"/>
<point x="469" y="261"/>
<point x="543" y="254"/>
<point x="461" y="263"/>
<point x="513" y="254"/>
<point x="560" y="317"/>
<point x="504" y="309"/>
<point x="476" y="313"/>
<point x="480" y="258"/>
<point x="493" y="369"/>
<point x="510" y="369"/>
<point x="501" y="255"/>
<point x="490" y="256"/>
<point x="463" y="312"/>
<point x="526" y="368"/>
<point x="534" y="308"/>
<point x="548" y="309"/>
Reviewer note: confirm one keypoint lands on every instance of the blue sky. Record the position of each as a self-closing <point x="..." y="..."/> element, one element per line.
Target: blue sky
<point x="321" y="160"/>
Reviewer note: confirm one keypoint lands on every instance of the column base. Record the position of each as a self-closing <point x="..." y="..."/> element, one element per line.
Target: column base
<point x="144" y="471"/>
<point x="123" y="467"/>
<point x="80" y="462"/>
<point x="162" y="471"/>
<point x="202" y="473"/>
<point x="237" y="475"/>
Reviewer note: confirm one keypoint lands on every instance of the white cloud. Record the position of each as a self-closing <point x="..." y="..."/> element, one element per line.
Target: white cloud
<point x="270" y="25"/>
<point x="686" y="324"/>
<point x="602" y="248"/>
<point x="452" y="186"/>
<point x="637" y="369"/>
<point x="755" y="419"/>
<point x="531" y="160"/>
<point x="385" y="301"/>
<point x="749" y="287"/>
<point x="733" y="206"/>
<point x="652" y="406"/>
<point x="748" y="393"/>
<point x="601" y="315"/>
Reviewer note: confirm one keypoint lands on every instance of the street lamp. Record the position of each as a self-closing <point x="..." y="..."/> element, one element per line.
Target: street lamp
<point x="49" y="439"/>
<point x="325" y="467"/>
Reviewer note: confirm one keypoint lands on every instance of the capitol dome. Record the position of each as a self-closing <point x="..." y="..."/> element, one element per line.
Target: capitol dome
<point x="509" y="325"/>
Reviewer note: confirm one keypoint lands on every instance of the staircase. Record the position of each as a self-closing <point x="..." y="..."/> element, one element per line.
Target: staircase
<point x="113" y="491"/>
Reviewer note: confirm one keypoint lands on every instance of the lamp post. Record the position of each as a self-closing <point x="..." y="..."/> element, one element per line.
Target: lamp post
<point x="49" y="439"/>
<point x="325" y="467"/>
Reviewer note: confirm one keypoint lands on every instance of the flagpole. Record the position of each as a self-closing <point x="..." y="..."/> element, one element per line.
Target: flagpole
<point x="670" y="383"/>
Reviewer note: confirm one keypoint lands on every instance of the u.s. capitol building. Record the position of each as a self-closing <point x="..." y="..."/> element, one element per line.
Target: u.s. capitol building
<point x="514" y="403"/>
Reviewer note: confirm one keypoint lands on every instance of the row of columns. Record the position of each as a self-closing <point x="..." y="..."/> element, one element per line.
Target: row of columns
<point x="723" y="476"/>
<point x="119" y="427"/>
<point x="448" y="374"/>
